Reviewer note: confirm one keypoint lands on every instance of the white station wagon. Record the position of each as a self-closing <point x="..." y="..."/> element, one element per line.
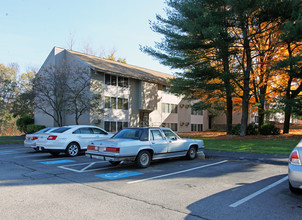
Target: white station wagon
<point x="142" y="145"/>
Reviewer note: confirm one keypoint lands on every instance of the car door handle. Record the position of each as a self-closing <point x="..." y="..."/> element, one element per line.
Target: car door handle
<point x="152" y="142"/>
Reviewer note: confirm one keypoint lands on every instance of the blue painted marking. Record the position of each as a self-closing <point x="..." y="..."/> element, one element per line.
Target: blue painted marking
<point x="7" y="151"/>
<point x="118" y="175"/>
<point x="57" y="161"/>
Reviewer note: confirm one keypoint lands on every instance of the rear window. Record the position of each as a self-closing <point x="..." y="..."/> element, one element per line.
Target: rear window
<point x="130" y="134"/>
<point x="60" y="130"/>
<point x="43" y="130"/>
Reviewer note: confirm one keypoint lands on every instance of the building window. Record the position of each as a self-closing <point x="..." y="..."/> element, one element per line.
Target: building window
<point x="107" y="79"/>
<point x="197" y="112"/>
<point x="169" y="108"/>
<point x="114" y="126"/>
<point x="107" y="102"/>
<point x="125" y="106"/>
<point x="174" y="108"/>
<point x="126" y="82"/>
<point x="172" y="126"/>
<point x="107" y="126"/>
<point x="120" y="103"/>
<point x="196" y="127"/>
<point x="113" y="102"/>
<point x="113" y="80"/>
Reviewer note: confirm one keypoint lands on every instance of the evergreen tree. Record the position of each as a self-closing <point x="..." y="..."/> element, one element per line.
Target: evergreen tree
<point x="198" y="42"/>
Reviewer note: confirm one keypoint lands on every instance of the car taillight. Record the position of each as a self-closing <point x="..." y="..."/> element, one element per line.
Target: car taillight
<point x="34" y="138"/>
<point x="52" y="137"/>
<point x="294" y="158"/>
<point x="89" y="147"/>
<point x="113" y="149"/>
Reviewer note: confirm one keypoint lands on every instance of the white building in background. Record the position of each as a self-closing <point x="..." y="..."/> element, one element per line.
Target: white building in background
<point x="132" y="96"/>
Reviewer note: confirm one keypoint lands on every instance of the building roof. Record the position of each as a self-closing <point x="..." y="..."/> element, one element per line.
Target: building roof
<point x="118" y="68"/>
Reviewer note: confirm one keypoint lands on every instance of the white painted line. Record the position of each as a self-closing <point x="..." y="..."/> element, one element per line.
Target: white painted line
<point x="234" y="205"/>
<point x="72" y="165"/>
<point x="83" y="171"/>
<point x="174" y="173"/>
<point x="85" y="168"/>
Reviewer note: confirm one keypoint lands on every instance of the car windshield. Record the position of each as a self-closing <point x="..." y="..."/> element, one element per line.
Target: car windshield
<point x="60" y="130"/>
<point x="130" y="134"/>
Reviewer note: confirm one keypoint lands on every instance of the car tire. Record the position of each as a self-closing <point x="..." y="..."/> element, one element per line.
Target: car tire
<point x="143" y="159"/>
<point x="72" y="150"/>
<point x="54" y="154"/>
<point x="192" y="153"/>
<point x="293" y="189"/>
<point x="115" y="163"/>
<point x="36" y="149"/>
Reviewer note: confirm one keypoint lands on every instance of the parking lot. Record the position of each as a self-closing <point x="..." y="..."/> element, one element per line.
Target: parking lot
<point x="35" y="185"/>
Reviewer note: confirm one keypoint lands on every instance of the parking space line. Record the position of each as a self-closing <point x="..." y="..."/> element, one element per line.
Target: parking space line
<point x="234" y="205"/>
<point x="178" y="172"/>
<point x="90" y="165"/>
<point x="83" y="170"/>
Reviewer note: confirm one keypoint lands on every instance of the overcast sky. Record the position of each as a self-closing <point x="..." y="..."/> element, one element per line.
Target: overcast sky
<point x="31" y="28"/>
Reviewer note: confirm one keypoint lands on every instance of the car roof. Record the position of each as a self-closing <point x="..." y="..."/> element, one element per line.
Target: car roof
<point x="79" y="126"/>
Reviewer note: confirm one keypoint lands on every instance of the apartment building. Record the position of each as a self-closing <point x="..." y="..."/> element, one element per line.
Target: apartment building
<point x="131" y="96"/>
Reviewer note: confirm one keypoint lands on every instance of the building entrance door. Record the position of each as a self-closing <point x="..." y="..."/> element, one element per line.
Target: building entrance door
<point x="143" y="119"/>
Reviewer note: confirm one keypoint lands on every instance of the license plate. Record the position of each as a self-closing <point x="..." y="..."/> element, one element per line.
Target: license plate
<point x="101" y="149"/>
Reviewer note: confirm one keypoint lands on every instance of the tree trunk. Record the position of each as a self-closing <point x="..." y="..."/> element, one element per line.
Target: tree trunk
<point x="245" y="114"/>
<point x="246" y="81"/>
<point x="261" y="107"/>
<point x="288" y="111"/>
<point x="229" y="113"/>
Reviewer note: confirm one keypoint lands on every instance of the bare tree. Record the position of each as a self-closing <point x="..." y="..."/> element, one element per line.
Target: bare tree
<point x="50" y="92"/>
<point x="67" y="89"/>
<point x="70" y="41"/>
<point x="78" y="92"/>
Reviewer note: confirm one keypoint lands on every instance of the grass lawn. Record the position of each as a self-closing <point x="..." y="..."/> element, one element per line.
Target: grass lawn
<point x="10" y="140"/>
<point x="279" y="144"/>
<point x="268" y="146"/>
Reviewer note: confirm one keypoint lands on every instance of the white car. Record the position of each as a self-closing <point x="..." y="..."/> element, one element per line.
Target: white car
<point x="295" y="169"/>
<point x="142" y="145"/>
<point x="70" y="139"/>
<point x="31" y="139"/>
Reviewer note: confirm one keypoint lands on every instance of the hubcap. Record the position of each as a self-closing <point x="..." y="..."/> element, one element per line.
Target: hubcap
<point x="192" y="152"/>
<point x="144" y="159"/>
<point x="73" y="150"/>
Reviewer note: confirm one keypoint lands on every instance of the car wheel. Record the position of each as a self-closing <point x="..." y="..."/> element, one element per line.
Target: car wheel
<point x="72" y="149"/>
<point x="54" y="154"/>
<point x="294" y="190"/>
<point x="36" y="149"/>
<point x="192" y="154"/>
<point x="143" y="159"/>
<point x="115" y="163"/>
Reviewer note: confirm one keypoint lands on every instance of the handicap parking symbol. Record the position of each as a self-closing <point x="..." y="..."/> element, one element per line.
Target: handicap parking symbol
<point x="118" y="175"/>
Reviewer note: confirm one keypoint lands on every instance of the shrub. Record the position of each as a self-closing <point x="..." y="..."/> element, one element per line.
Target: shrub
<point x="34" y="128"/>
<point x="23" y="121"/>
<point x="236" y="129"/>
<point x="252" y="129"/>
<point x="269" y="129"/>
